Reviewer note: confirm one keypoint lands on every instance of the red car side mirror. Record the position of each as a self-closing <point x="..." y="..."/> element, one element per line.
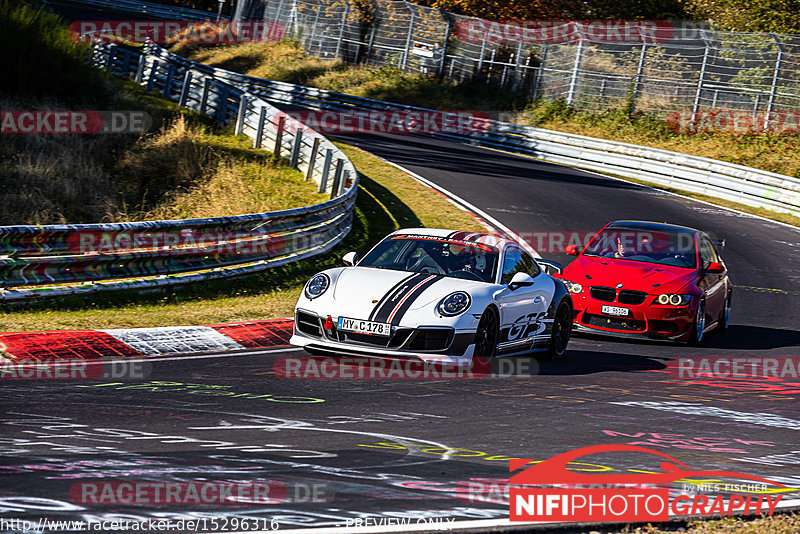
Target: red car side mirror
<point x="572" y="250"/>
<point x="714" y="267"/>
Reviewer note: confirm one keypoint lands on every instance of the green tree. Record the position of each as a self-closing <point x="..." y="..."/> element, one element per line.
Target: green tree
<point x="779" y="16"/>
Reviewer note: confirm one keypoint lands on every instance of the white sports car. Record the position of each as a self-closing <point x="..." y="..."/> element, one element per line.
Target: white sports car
<point x="436" y="295"/>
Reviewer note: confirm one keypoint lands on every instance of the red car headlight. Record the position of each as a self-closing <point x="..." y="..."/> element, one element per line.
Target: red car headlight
<point x="673" y="299"/>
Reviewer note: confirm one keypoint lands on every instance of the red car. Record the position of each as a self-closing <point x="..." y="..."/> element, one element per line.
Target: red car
<point x="647" y="279"/>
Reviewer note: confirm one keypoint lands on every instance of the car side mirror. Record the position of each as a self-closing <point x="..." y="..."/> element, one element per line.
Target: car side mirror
<point x="550" y="267"/>
<point x="350" y="258"/>
<point x="572" y="250"/>
<point x="714" y="267"/>
<point x="520" y="280"/>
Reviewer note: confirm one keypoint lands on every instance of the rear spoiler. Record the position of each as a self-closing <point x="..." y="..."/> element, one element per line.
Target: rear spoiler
<point x="718" y="242"/>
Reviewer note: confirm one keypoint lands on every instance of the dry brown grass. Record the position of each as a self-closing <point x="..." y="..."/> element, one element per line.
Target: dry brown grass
<point x="181" y="170"/>
<point x="208" y="175"/>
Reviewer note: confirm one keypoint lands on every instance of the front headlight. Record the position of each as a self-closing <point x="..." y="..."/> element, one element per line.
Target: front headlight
<point x="454" y="304"/>
<point x="318" y="284"/>
<point x="673" y="299"/>
<point x="572" y="287"/>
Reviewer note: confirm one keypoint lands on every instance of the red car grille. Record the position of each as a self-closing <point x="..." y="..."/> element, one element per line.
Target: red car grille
<point x="616" y="323"/>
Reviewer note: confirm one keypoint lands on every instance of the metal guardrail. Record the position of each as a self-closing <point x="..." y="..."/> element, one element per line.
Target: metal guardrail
<point x="137" y="255"/>
<point x="161" y="11"/>
<point x="729" y="181"/>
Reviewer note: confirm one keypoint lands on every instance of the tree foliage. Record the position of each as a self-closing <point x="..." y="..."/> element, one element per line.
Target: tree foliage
<point x="779" y="16"/>
<point x="562" y="9"/>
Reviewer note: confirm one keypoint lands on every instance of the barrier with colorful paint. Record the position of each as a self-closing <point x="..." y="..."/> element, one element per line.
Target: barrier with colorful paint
<point x="39" y="261"/>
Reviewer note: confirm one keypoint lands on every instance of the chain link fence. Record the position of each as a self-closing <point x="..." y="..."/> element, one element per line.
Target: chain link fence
<point x="658" y="68"/>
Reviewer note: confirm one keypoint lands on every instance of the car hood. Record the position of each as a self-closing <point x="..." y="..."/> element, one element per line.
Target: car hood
<point x="651" y="278"/>
<point x="360" y="290"/>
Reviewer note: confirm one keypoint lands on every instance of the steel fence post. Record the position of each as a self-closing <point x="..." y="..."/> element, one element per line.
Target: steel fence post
<point x="240" y="114"/>
<point x="518" y="66"/>
<point x="112" y="48"/>
<point x="312" y="159"/>
<point x="276" y="151"/>
<point x="537" y="88"/>
<point x="483" y="53"/>
<point x="775" y="78"/>
<point x="168" y="82"/>
<point x="573" y="81"/>
<point x="187" y="83"/>
<point x="337" y="178"/>
<point x="341" y="31"/>
<point x="262" y="117"/>
<point x="152" y="76"/>
<point x="326" y="169"/>
<point x="639" y="74"/>
<point x="204" y="96"/>
<point x="408" y="40"/>
<point x="446" y="43"/>
<point x="298" y="142"/>
<point x="140" y="69"/>
<point x="701" y="79"/>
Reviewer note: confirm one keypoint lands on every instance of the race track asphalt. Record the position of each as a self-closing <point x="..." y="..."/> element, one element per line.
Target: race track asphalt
<point x="376" y="450"/>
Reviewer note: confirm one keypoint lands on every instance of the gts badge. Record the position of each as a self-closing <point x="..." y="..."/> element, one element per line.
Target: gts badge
<point x="527" y="326"/>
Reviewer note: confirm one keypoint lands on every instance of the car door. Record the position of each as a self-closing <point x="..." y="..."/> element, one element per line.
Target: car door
<point x="522" y="310"/>
<point x="712" y="284"/>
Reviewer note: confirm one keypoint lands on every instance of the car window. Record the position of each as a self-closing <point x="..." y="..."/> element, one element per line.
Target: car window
<point x="517" y="261"/>
<point x="707" y="252"/>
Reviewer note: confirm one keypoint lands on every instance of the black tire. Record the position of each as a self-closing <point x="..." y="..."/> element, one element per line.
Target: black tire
<point x="561" y="332"/>
<point x="697" y="335"/>
<point x="724" y="319"/>
<point x="487" y="335"/>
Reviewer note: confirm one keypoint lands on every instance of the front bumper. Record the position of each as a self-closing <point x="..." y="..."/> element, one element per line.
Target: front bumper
<point x="645" y="321"/>
<point x="429" y="343"/>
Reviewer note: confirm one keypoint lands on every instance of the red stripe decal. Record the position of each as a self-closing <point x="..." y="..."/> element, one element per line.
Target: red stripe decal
<point x="408" y="294"/>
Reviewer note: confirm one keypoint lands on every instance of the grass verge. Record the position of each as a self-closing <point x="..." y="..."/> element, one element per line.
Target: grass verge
<point x="388" y="199"/>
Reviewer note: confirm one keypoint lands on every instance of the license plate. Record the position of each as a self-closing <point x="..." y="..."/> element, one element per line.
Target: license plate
<point x="364" y="327"/>
<point x="613" y="310"/>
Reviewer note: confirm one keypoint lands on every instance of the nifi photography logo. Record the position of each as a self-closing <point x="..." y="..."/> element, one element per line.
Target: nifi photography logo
<point x="548" y="491"/>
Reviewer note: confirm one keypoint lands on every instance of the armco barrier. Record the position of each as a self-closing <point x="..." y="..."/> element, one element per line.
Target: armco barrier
<point x="92" y="257"/>
<point x="160" y="11"/>
<point x="737" y="183"/>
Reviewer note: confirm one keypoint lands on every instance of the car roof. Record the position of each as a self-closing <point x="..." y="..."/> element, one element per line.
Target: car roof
<point x="649" y="225"/>
<point x="456" y="235"/>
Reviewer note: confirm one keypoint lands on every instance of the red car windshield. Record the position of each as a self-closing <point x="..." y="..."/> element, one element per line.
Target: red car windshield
<point x="668" y="247"/>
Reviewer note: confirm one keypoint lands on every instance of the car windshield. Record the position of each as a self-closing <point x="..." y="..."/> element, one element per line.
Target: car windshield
<point x="427" y="254"/>
<point x="665" y="247"/>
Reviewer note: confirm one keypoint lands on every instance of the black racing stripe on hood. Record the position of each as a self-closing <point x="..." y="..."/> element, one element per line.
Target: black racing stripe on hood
<point x="385" y="306"/>
<point x="397" y="314"/>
